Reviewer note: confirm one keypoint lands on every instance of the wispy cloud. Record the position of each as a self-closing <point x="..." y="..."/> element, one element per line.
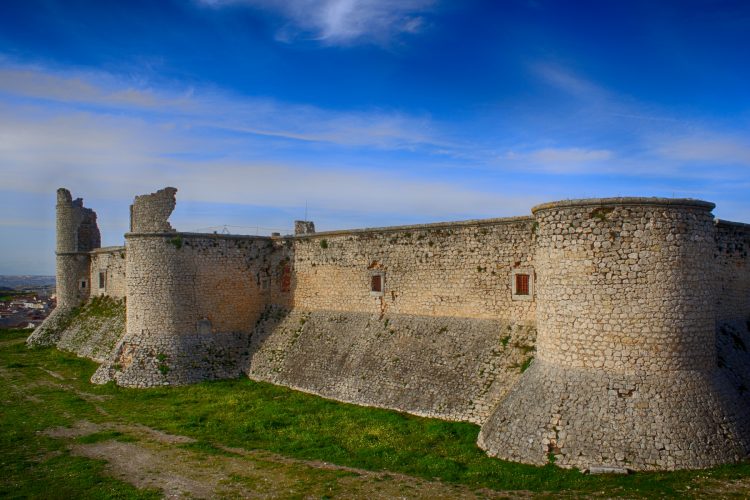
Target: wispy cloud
<point x="212" y="108"/>
<point x="708" y="147"/>
<point x="96" y="134"/>
<point x="342" y="22"/>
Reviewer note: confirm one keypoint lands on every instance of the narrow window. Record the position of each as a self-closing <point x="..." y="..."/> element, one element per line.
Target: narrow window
<point x="522" y="284"/>
<point x="377" y="283"/>
<point x="83" y="284"/>
<point x="101" y="279"/>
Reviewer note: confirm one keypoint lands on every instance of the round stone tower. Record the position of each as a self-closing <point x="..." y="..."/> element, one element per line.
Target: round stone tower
<point x="77" y="234"/>
<point x="625" y="373"/>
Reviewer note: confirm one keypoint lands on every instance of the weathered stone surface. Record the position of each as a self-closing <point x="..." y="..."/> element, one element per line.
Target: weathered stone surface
<point x="149" y="213"/>
<point x="642" y="307"/>
<point x="626" y="373"/>
<point x="92" y="330"/>
<point x="444" y="367"/>
<point x="77" y="234"/>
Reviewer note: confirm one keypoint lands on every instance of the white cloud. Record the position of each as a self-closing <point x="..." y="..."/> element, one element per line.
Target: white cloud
<point x="342" y="22"/>
<point x="707" y="147"/>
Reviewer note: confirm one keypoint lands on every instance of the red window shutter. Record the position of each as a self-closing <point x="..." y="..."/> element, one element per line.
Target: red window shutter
<point x="522" y="284"/>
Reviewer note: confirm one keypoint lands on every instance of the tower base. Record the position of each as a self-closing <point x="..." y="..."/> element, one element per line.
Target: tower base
<point x="584" y="419"/>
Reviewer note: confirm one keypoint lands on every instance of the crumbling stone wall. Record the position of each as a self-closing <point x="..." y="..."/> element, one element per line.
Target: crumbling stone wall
<point x="458" y="269"/>
<point x="76" y="234"/>
<point x="110" y="262"/>
<point x="149" y="213"/>
<point x="626" y="370"/>
<point x="304" y="227"/>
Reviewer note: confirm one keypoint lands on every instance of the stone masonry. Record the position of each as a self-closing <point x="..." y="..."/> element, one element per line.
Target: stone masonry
<point x="603" y="332"/>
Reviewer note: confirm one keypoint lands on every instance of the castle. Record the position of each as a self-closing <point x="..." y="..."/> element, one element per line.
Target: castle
<point x="595" y="333"/>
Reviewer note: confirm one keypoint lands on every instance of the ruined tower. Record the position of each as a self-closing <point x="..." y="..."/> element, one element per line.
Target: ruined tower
<point x="626" y="369"/>
<point x="77" y="234"/>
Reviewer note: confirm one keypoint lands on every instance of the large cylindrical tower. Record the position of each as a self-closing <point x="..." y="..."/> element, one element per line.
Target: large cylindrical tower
<point x="169" y="337"/>
<point x="626" y="371"/>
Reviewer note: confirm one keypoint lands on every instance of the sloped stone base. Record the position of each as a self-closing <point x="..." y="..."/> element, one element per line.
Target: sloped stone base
<point x="442" y="367"/>
<point x="140" y="361"/>
<point x="583" y="419"/>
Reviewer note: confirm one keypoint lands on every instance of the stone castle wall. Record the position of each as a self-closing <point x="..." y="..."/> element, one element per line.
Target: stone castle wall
<point x="108" y="272"/>
<point x="641" y="361"/>
<point x="442" y="338"/>
<point x="459" y="269"/>
<point x="626" y="372"/>
<point x="733" y="271"/>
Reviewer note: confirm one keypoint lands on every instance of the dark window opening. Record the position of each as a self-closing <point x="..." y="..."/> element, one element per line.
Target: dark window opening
<point x="286" y="278"/>
<point x="101" y="280"/>
<point x="522" y="284"/>
<point x="376" y="283"/>
<point x="83" y="284"/>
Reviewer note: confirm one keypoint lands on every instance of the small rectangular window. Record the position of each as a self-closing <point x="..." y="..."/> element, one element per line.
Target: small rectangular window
<point x="83" y="284"/>
<point x="102" y="279"/>
<point x="522" y="284"/>
<point x="376" y="283"/>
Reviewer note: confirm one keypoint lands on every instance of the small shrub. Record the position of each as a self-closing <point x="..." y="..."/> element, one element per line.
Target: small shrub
<point x="176" y="241"/>
<point x="324" y="244"/>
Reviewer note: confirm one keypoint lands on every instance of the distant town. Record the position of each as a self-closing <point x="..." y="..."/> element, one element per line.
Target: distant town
<point x="26" y="300"/>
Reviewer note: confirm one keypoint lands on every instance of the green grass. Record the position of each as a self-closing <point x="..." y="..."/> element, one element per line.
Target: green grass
<point x="31" y="464"/>
<point x="251" y="415"/>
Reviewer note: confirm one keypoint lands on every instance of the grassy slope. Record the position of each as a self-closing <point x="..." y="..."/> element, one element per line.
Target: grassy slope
<point x="251" y="415"/>
<point x="32" y="465"/>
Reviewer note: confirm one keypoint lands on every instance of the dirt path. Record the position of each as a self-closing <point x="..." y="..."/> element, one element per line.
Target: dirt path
<point x="181" y="468"/>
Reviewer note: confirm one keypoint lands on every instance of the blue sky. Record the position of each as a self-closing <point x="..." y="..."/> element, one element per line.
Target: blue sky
<point x="369" y="112"/>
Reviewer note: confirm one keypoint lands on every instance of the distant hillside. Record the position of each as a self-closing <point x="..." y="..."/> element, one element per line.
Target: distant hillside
<point x="25" y="281"/>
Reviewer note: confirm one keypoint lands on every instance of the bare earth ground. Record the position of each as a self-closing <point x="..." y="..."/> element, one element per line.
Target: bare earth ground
<point x="147" y="458"/>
